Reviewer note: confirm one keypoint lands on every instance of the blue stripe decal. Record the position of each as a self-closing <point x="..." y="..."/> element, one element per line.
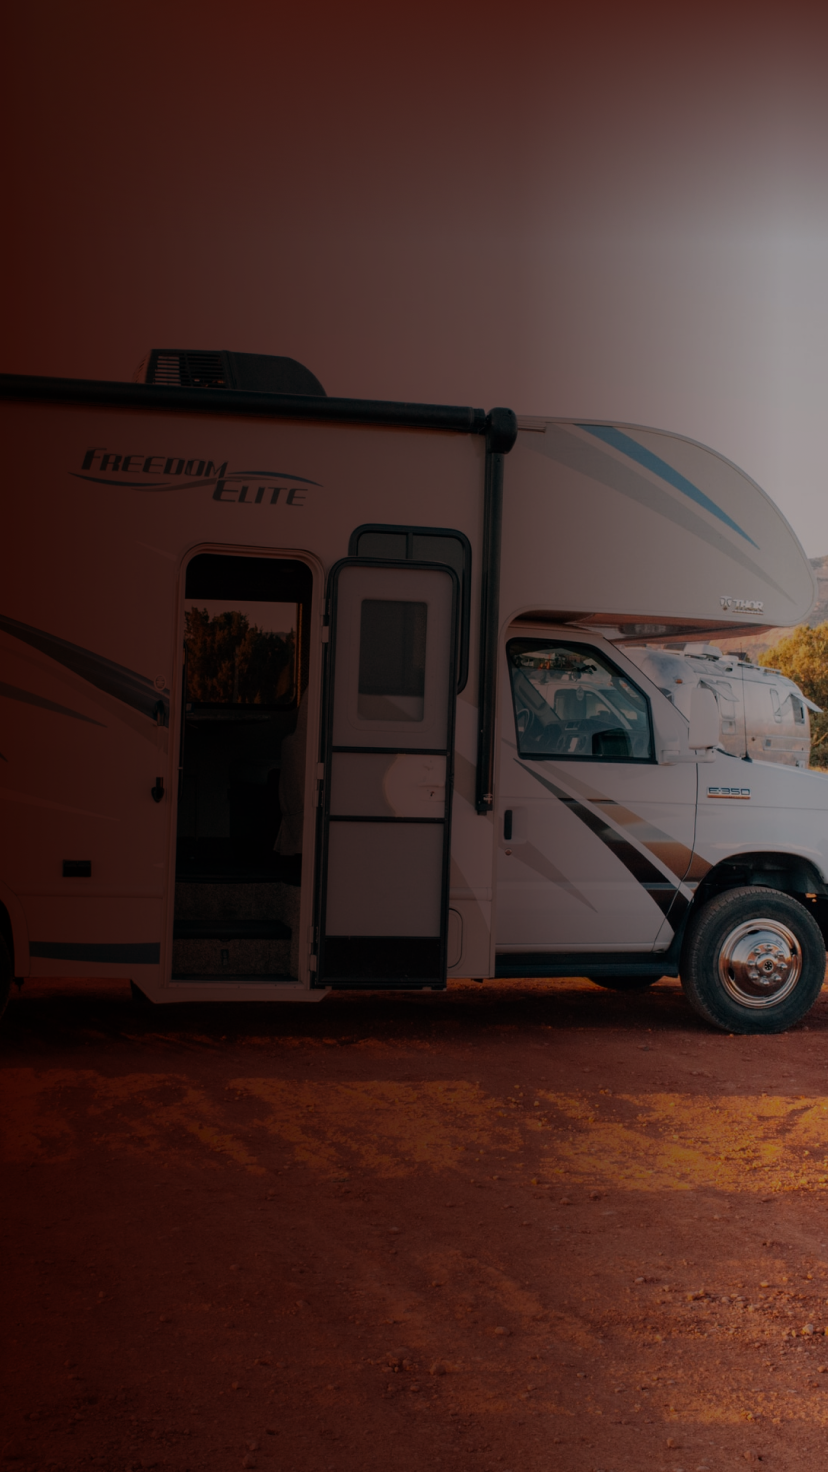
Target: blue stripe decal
<point x="627" y="446"/>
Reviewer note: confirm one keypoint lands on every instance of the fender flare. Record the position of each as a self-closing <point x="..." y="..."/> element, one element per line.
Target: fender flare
<point x="19" y="930"/>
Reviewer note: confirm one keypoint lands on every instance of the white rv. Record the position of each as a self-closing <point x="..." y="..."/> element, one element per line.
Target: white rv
<point x="303" y="693"/>
<point x="762" y="713"/>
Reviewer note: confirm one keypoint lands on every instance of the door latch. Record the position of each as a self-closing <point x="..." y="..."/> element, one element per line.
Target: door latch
<point x="158" y="790"/>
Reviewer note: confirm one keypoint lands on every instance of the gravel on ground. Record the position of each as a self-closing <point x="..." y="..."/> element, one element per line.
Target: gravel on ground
<point x="524" y="1225"/>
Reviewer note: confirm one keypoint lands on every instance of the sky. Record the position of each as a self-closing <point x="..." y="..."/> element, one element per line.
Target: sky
<point x="620" y="213"/>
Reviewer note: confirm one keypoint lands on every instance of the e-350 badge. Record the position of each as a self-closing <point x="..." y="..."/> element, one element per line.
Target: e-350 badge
<point x="738" y="792"/>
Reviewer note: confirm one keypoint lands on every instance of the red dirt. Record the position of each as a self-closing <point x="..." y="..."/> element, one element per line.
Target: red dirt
<point x="492" y="1229"/>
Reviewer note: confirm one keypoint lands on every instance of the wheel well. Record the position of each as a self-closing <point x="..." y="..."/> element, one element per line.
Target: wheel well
<point x="785" y="872"/>
<point x="6" y="932"/>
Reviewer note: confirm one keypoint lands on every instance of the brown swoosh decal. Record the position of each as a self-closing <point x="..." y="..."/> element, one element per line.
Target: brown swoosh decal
<point x="653" y="880"/>
<point x="677" y="856"/>
<point x="683" y="862"/>
<point x="689" y="867"/>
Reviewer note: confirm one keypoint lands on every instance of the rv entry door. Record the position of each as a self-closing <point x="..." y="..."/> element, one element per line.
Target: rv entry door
<point x="382" y="894"/>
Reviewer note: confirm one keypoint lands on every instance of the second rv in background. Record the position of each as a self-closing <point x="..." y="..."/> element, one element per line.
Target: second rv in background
<point x="763" y="715"/>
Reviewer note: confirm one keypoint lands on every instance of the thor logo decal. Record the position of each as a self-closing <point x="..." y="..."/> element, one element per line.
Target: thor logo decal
<point x="742" y="605"/>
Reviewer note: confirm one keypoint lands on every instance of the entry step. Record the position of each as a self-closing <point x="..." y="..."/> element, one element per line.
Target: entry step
<point x="230" y="929"/>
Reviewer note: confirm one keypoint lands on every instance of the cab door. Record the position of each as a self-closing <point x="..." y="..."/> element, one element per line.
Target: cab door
<point x="382" y="890"/>
<point x="595" y="836"/>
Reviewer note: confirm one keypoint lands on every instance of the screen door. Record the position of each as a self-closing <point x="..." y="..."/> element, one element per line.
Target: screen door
<point x="383" y="892"/>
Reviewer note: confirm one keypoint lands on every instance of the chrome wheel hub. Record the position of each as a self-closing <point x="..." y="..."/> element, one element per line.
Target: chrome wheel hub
<point x="760" y="963"/>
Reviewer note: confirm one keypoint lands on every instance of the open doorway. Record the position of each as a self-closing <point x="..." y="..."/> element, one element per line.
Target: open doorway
<point x="242" y="762"/>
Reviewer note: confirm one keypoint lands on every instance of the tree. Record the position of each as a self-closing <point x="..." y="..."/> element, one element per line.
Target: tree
<point x="233" y="662"/>
<point x="803" y="657"/>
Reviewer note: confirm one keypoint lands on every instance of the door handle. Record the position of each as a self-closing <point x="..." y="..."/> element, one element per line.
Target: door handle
<point x="507" y="825"/>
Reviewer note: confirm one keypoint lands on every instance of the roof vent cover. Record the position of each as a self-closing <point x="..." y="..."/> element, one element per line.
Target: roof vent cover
<point x="255" y="372"/>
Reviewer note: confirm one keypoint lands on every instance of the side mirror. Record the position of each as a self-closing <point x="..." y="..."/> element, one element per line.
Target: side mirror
<point x="704" y="720"/>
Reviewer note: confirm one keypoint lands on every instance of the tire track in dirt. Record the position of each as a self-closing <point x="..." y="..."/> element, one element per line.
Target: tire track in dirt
<point x="572" y="1255"/>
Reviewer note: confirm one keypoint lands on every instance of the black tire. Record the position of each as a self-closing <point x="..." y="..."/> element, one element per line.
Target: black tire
<point x="753" y="961"/>
<point x="625" y="983"/>
<point x="6" y="975"/>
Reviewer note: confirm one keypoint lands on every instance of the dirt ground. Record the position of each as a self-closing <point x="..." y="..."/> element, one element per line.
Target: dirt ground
<point x="516" y="1226"/>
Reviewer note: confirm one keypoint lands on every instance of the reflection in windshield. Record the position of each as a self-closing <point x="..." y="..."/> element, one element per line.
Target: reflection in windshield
<point x="569" y="701"/>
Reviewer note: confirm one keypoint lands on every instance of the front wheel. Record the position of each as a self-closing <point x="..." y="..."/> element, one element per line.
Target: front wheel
<point x="625" y="983"/>
<point x="753" y="961"/>
<point x="6" y="969"/>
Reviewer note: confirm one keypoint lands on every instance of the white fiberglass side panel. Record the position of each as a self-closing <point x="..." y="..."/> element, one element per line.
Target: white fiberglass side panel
<point x="632" y="526"/>
<point x="89" y="619"/>
<point x="594" y="857"/>
<point x="559" y="888"/>
<point x="761" y="807"/>
<point x="79" y="935"/>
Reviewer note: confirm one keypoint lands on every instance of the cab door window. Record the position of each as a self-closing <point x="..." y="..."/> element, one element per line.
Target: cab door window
<point x="571" y="701"/>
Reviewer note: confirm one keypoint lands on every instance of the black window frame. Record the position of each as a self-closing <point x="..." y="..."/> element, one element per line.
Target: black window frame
<point x="227" y="567"/>
<point x="566" y="756"/>
<point x="409" y="532"/>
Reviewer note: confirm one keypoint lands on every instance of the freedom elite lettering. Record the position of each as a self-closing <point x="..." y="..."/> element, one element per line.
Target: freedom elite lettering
<point x="180" y="472"/>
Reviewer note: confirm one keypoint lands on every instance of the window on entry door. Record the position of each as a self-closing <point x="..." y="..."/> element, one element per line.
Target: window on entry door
<point x="392" y="648"/>
<point x="390" y="542"/>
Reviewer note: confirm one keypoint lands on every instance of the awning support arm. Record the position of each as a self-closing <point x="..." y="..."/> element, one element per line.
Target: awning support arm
<point x="500" y="437"/>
